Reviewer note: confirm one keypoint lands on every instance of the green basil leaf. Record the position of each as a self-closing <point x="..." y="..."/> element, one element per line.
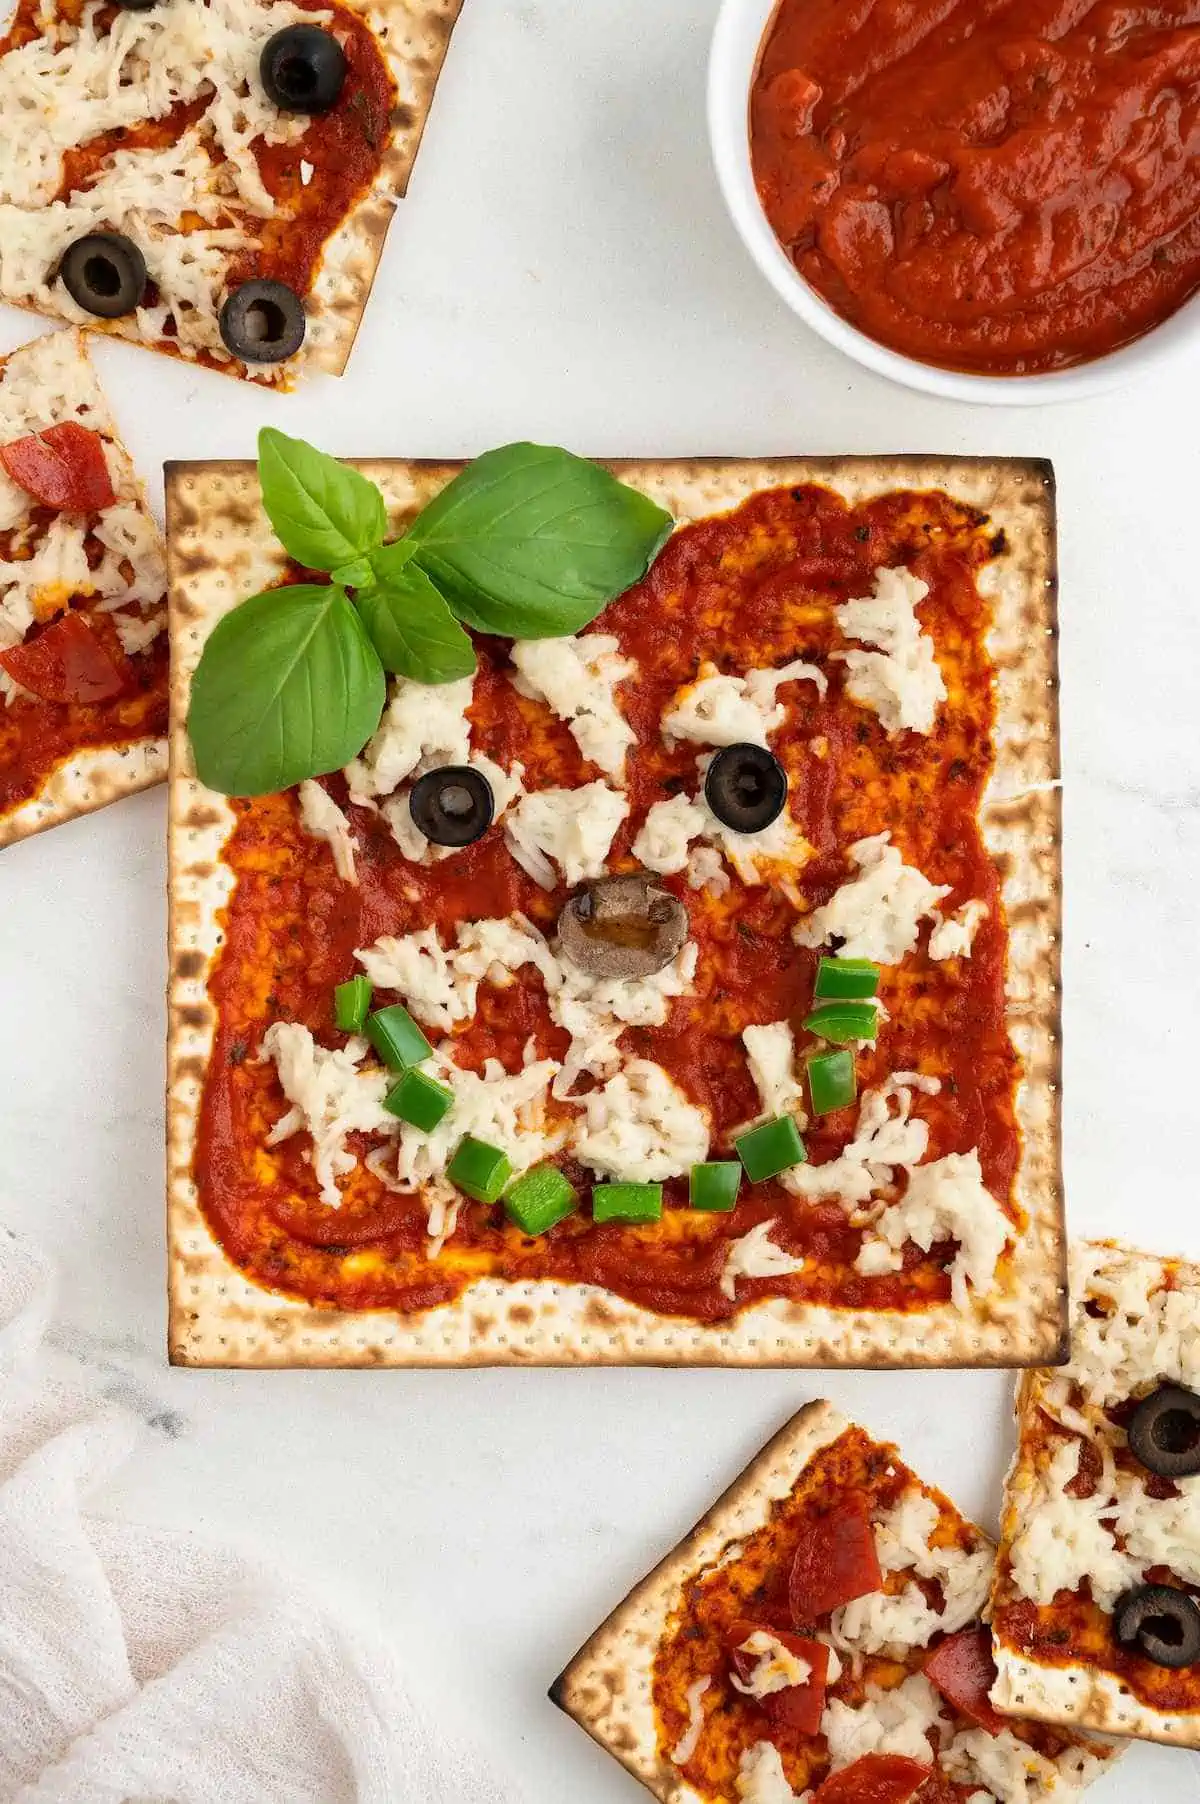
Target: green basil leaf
<point x="288" y="686"/>
<point x="532" y="542"/>
<point x="355" y="575"/>
<point x="388" y="560"/>
<point x="324" y="514"/>
<point x="414" y="631"/>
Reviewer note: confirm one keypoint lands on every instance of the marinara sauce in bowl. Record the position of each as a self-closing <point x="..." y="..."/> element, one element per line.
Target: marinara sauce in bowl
<point x="993" y="200"/>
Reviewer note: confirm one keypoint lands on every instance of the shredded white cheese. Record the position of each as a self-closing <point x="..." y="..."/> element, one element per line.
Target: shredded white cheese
<point x="903" y="1543"/>
<point x="330" y="1098"/>
<point x="688" y="1742"/>
<point x="771" y="1052"/>
<point x="667" y="832"/>
<point x="1063" y="1540"/>
<point x="1014" y="1771"/>
<point x="321" y="816"/>
<point x="877" y="914"/>
<point x="896" y="1721"/>
<point x="424" y="726"/>
<point x="578" y="678"/>
<point x="755" y="1255"/>
<point x="954" y="936"/>
<point x="945" y="1200"/>
<point x="574" y="828"/>
<point x="595" y="1011"/>
<point x="641" y="1127"/>
<point x="1143" y="1332"/>
<point x="761" y="1778"/>
<point x="440" y="986"/>
<point x="726" y="710"/>
<point x="900" y="680"/>
<point x="776" y="1667"/>
<point x="883" y="1142"/>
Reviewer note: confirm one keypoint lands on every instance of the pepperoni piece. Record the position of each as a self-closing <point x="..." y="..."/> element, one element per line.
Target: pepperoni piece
<point x="62" y="467"/>
<point x="875" y="1779"/>
<point x="797" y="1707"/>
<point x="834" y="1563"/>
<point x="962" y="1668"/>
<point x="65" y="663"/>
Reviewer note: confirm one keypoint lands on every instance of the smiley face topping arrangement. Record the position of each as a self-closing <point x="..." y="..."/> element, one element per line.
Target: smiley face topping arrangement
<point x="662" y="960"/>
<point x="211" y="178"/>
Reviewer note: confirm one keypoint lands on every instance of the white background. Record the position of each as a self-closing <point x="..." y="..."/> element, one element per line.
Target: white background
<point x="563" y="269"/>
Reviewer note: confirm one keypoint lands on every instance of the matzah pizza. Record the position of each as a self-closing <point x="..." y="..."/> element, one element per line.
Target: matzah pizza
<point x="1097" y="1599"/>
<point x="211" y="178"/>
<point x="817" y="1639"/>
<point x="715" y="946"/>
<point x="83" y="653"/>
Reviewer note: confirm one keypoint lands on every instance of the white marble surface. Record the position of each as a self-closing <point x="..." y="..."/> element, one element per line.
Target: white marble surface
<point x="563" y="270"/>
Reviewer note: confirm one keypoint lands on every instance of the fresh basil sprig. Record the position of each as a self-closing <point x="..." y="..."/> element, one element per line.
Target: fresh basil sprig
<point x="528" y="542"/>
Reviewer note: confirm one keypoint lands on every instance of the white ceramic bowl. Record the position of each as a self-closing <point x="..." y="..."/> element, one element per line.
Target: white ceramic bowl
<point x="732" y="61"/>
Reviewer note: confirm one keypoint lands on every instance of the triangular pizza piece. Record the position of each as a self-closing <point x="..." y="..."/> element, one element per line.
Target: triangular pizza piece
<point x="213" y="179"/>
<point x="818" y="1639"/>
<point x="83" y="657"/>
<point x="1097" y="1592"/>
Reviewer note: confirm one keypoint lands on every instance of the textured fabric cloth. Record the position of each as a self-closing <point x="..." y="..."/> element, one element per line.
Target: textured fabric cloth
<point x="137" y="1665"/>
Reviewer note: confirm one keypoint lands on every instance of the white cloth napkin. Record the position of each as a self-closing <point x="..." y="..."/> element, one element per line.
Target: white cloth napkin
<point x="137" y="1665"/>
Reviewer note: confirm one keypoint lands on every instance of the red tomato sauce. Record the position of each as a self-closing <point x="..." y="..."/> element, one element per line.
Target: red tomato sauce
<point x="749" y="589"/>
<point x="753" y="1585"/>
<point x="1004" y="186"/>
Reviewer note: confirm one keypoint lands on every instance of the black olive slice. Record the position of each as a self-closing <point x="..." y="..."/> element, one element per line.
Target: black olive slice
<point x="1161" y="1621"/>
<point x="105" y="274"/>
<point x="303" y="69"/>
<point x="1164" y="1432"/>
<point x="746" y="788"/>
<point x="135" y="6"/>
<point x="263" y="322"/>
<point x="453" y="806"/>
<point x="623" y="927"/>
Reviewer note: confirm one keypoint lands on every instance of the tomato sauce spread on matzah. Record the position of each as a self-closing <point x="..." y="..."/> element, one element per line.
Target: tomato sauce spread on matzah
<point x="751" y="588"/>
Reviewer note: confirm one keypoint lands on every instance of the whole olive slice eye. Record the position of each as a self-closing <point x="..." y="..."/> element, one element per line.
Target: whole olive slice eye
<point x="623" y="927"/>
<point x="1164" y="1432"/>
<point x="104" y="273"/>
<point x="263" y="322"/>
<point x="1162" y="1622"/>
<point x="303" y="69"/>
<point x="453" y="806"/>
<point x="746" y="788"/>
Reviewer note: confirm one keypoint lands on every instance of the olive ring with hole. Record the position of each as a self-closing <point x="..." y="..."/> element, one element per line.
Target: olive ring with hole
<point x="1161" y="1621"/>
<point x="303" y="69"/>
<point x="452" y="806"/>
<point x="105" y="274"/>
<point x="746" y="788"/>
<point x="1164" y="1432"/>
<point x="263" y="322"/>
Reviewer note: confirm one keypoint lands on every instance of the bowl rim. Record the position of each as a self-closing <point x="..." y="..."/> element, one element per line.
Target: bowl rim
<point x="733" y="56"/>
